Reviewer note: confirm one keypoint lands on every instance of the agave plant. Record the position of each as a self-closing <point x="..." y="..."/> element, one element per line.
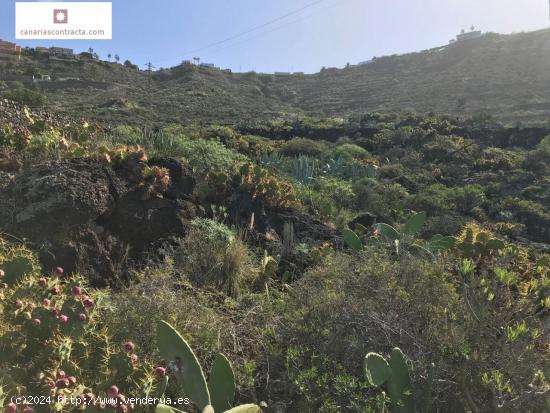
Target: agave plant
<point x="303" y="169"/>
<point x="342" y="168"/>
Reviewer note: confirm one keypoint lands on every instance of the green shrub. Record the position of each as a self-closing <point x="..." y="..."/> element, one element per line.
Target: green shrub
<point x="210" y="321"/>
<point x="538" y="159"/>
<point x="346" y="307"/>
<point x="348" y="169"/>
<point x="45" y="144"/>
<point x="468" y="197"/>
<point x="447" y="224"/>
<point x="534" y="215"/>
<point x="340" y="192"/>
<point x="205" y="156"/>
<point x="350" y="151"/>
<point x="497" y="159"/>
<point x="304" y="146"/>
<point x="127" y="135"/>
<point x="27" y="97"/>
<point x="435" y="199"/>
<point x="328" y="197"/>
<point x="379" y="199"/>
<point x="213" y="256"/>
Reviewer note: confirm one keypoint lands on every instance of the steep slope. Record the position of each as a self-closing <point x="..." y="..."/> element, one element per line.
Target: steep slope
<point x="506" y="75"/>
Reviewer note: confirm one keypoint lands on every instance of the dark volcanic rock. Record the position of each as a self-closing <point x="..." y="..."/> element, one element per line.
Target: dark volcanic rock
<point x="182" y="182"/>
<point x="85" y="216"/>
<point x="50" y="199"/>
<point x="306" y="228"/>
<point x="141" y="222"/>
<point x="366" y="219"/>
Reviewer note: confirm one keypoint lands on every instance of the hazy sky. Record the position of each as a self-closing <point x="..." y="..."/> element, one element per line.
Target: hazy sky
<point x="327" y="33"/>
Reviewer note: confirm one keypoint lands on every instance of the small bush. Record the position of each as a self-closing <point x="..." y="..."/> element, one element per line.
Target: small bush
<point x="26" y="97"/>
<point x="468" y="197"/>
<point x="497" y="159"/>
<point x="532" y="214"/>
<point x="215" y="257"/>
<point x="434" y="199"/>
<point x="304" y="146"/>
<point x="380" y="199"/>
<point x="350" y="151"/>
<point x="205" y="156"/>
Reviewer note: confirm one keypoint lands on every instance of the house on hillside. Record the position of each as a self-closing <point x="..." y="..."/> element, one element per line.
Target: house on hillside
<point x="41" y="78"/>
<point x="208" y="65"/>
<point x="464" y="35"/>
<point x="62" y="53"/>
<point x="8" y="49"/>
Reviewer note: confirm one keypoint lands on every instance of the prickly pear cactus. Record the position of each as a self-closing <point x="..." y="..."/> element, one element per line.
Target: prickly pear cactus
<point x="53" y="344"/>
<point x="221" y="384"/>
<point x="399" y="385"/>
<point x="377" y="369"/>
<point x="475" y="242"/>
<point x="183" y="362"/>
<point x="213" y="397"/>
<point x="394" y="375"/>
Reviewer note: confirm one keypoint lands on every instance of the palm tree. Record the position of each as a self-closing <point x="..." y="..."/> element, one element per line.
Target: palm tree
<point x="117" y="58"/>
<point x="109" y="56"/>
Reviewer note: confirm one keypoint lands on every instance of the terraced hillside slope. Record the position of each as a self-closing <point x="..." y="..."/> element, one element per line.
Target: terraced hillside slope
<point x="505" y="75"/>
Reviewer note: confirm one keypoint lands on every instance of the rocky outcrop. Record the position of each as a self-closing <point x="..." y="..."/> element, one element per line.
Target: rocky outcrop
<point x="140" y="222"/>
<point x="52" y="198"/>
<point x="88" y="216"/>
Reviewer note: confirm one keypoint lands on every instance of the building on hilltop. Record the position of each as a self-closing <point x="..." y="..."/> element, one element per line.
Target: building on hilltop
<point x="61" y="53"/>
<point x="9" y="49"/>
<point x="464" y="35"/>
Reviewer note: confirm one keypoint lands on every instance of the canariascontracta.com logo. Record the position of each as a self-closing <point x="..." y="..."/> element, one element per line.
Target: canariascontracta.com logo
<point x="60" y="16"/>
<point x="63" y="20"/>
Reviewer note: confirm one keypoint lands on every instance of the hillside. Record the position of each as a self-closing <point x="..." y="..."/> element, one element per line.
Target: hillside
<point x="505" y="75"/>
<point x="420" y="236"/>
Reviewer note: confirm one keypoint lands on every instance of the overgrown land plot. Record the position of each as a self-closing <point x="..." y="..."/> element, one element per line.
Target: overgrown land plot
<point x="362" y="262"/>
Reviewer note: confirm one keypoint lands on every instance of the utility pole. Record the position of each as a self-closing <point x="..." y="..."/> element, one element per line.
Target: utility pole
<point x="150" y="67"/>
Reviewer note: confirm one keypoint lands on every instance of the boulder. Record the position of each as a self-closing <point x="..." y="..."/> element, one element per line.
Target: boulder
<point x="50" y="200"/>
<point x="140" y="222"/>
<point x="366" y="219"/>
<point x="182" y="183"/>
<point x="86" y="216"/>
